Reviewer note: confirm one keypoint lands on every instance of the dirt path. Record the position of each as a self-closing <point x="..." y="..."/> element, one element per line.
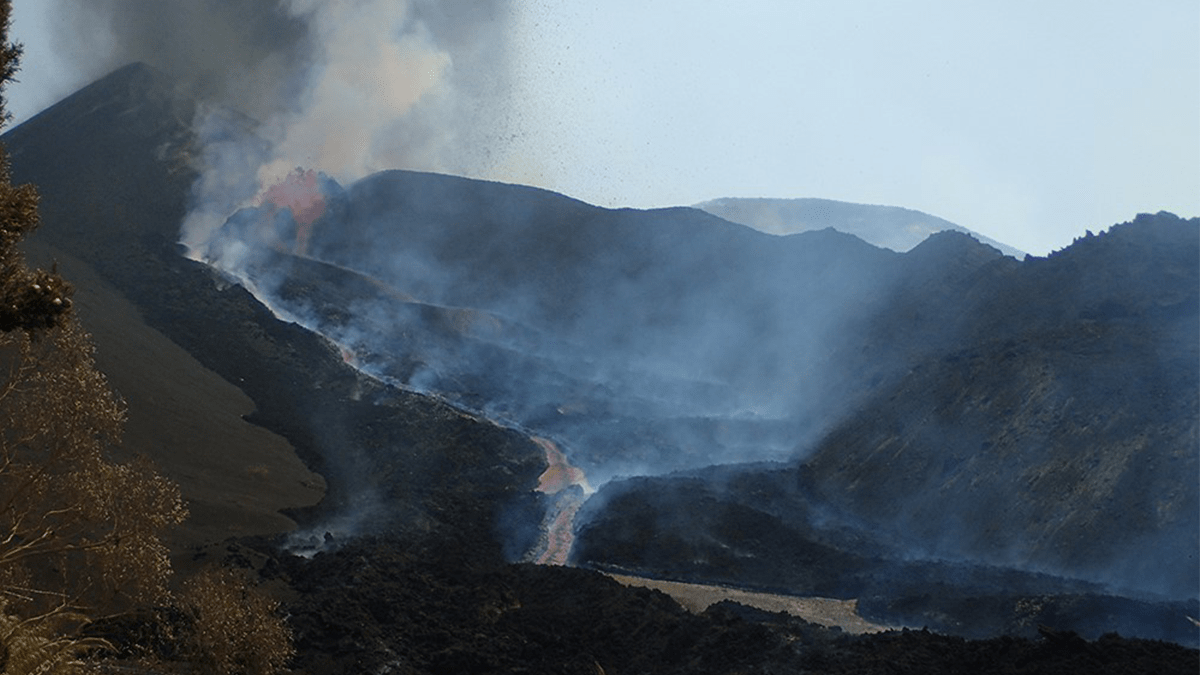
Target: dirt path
<point x="825" y="611"/>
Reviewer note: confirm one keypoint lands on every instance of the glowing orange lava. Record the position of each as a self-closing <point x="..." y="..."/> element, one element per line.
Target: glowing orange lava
<point x="560" y="534"/>
<point x="560" y="525"/>
<point x="299" y="193"/>
<point x="559" y="475"/>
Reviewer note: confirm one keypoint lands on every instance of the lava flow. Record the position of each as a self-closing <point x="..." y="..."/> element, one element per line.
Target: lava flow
<point x="559" y="479"/>
<point x="559" y="475"/>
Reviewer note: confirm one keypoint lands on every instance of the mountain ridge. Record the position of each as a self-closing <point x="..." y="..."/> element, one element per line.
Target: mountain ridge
<point x="893" y="227"/>
<point x="1071" y="393"/>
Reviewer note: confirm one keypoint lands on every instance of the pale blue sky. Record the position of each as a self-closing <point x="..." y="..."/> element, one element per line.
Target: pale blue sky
<point x="1028" y="122"/>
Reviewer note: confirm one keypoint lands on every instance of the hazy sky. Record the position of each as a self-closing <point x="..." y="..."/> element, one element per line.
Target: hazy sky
<point x="1028" y="122"/>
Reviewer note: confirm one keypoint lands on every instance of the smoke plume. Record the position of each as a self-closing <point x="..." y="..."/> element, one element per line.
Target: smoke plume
<point x="346" y="87"/>
<point x="296" y="92"/>
<point x="243" y="53"/>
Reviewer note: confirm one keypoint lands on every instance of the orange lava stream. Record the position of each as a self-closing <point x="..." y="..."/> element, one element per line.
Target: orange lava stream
<point x="558" y="476"/>
<point x="560" y="535"/>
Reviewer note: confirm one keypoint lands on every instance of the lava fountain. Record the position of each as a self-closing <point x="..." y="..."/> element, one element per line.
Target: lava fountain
<point x="300" y="193"/>
<point x="570" y="489"/>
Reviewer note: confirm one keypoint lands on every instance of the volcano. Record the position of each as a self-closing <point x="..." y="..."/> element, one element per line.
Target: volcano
<point x="955" y="438"/>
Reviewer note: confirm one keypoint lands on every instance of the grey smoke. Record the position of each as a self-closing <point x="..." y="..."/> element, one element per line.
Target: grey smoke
<point x="384" y="83"/>
<point x="236" y="52"/>
<point x="346" y="87"/>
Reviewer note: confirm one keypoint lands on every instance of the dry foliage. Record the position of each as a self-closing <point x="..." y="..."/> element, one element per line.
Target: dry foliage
<point x="79" y="534"/>
<point x="44" y="645"/>
<point x="30" y="299"/>
<point x="81" y="528"/>
<point x="234" y="629"/>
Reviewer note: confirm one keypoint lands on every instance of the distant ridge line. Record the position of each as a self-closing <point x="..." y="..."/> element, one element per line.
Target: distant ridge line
<point x="893" y="227"/>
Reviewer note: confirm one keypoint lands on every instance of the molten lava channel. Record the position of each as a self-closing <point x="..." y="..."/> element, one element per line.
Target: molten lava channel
<point x="559" y="474"/>
<point x="559" y="526"/>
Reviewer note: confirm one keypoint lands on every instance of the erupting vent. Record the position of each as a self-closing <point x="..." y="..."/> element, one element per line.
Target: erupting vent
<point x="301" y="194"/>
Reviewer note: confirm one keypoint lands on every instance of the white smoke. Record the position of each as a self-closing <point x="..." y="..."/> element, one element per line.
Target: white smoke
<point x="369" y="63"/>
<point x="345" y="87"/>
<point x="372" y="63"/>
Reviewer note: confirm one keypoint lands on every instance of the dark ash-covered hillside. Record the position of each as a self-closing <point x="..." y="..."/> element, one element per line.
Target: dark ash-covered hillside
<point x="1055" y="430"/>
<point x="1056" y="434"/>
<point x="115" y="184"/>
